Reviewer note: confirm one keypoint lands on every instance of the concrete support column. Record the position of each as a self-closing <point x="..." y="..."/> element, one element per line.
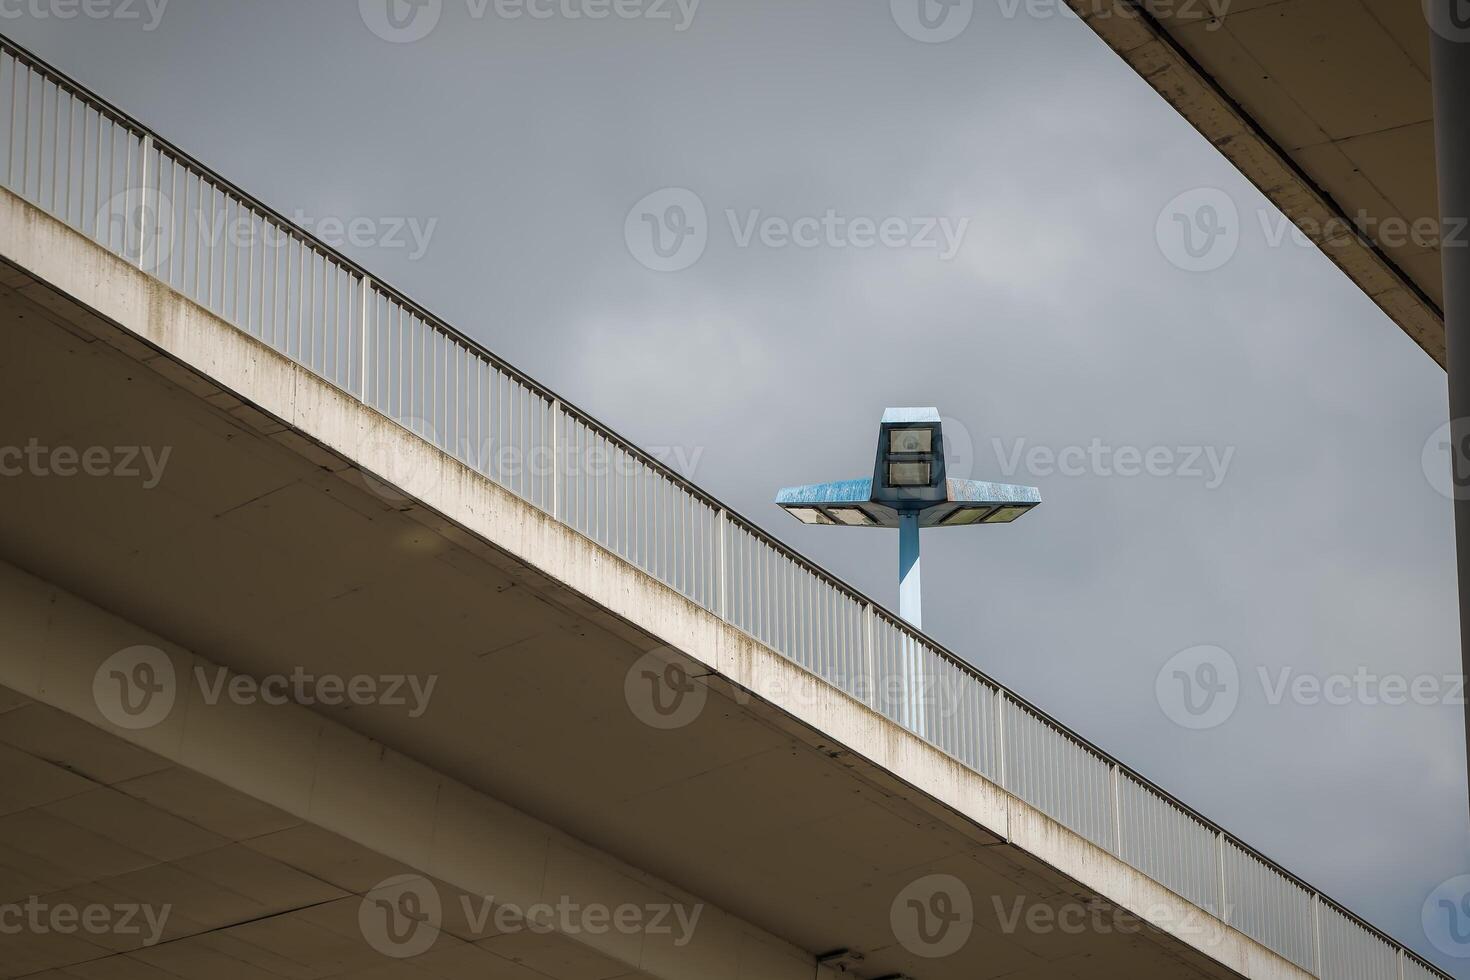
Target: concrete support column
<point x="1449" y="21"/>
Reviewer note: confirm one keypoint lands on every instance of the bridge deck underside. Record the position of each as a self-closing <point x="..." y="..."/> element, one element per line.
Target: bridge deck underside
<point x="258" y="550"/>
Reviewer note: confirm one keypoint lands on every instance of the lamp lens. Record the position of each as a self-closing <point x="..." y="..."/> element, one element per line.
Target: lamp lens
<point x="910" y="440"/>
<point x="908" y="474"/>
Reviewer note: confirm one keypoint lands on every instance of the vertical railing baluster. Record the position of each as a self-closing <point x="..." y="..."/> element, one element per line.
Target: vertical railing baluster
<point x="147" y="146"/>
<point x="1117" y="812"/>
<point x="556" y="458"/>
<point x="721" y="578"/>
<point x="362" y="354"/>
<point x="870" y="658"/>
<point x="1220" y="875"/>
<point x="1000" y="739"/>
<point x="1317" y="933"/>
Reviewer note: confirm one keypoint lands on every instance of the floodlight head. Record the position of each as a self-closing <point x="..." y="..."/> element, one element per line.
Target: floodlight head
<point x="908" y="478"/>
<point x="909" y="471"/>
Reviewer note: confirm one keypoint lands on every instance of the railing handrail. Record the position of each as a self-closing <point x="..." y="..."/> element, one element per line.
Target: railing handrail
<point x="141" y="130"/>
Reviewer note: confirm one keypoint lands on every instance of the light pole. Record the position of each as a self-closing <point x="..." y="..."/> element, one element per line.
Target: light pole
<point x="909" y="491"/>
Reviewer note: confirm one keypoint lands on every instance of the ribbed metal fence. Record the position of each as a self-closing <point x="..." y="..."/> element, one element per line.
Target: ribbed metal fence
<point x="1267" y="905"/>
<point x="1053" y="770"/>
<point x="1415" y="969"/>
<point x="90" y="165"/>
<point x="1169" y="844"/>
<point x="1350" y="952"/>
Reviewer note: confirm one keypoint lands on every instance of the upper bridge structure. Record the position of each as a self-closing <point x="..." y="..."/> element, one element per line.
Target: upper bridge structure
<point x="333" y="646"/>
<point x="1327" y="106"/>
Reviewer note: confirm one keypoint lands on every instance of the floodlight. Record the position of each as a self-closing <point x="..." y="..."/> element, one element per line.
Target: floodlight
<point x="909" y="474"/>
<point x="965" y="515"/>
<point x="908" y="490"/>
<point x="911" y="440"/>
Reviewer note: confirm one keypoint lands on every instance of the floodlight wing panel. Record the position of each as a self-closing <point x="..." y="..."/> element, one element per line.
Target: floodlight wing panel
<point x="820" y="494"/>
<point x="976" y="492"/>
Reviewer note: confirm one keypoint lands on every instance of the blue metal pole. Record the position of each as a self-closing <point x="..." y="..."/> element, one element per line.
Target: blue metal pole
<point x="909" y="609"/>
<point x="908" y="569"/>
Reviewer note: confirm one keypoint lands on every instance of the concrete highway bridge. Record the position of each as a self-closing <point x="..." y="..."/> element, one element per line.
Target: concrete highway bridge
<point x="333" y="646"/>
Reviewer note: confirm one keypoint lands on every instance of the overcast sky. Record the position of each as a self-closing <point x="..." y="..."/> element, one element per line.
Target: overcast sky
<point x="1033" y="283"/>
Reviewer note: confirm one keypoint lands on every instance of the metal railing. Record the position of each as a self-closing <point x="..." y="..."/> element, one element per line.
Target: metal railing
<point x="92" y="166"/>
